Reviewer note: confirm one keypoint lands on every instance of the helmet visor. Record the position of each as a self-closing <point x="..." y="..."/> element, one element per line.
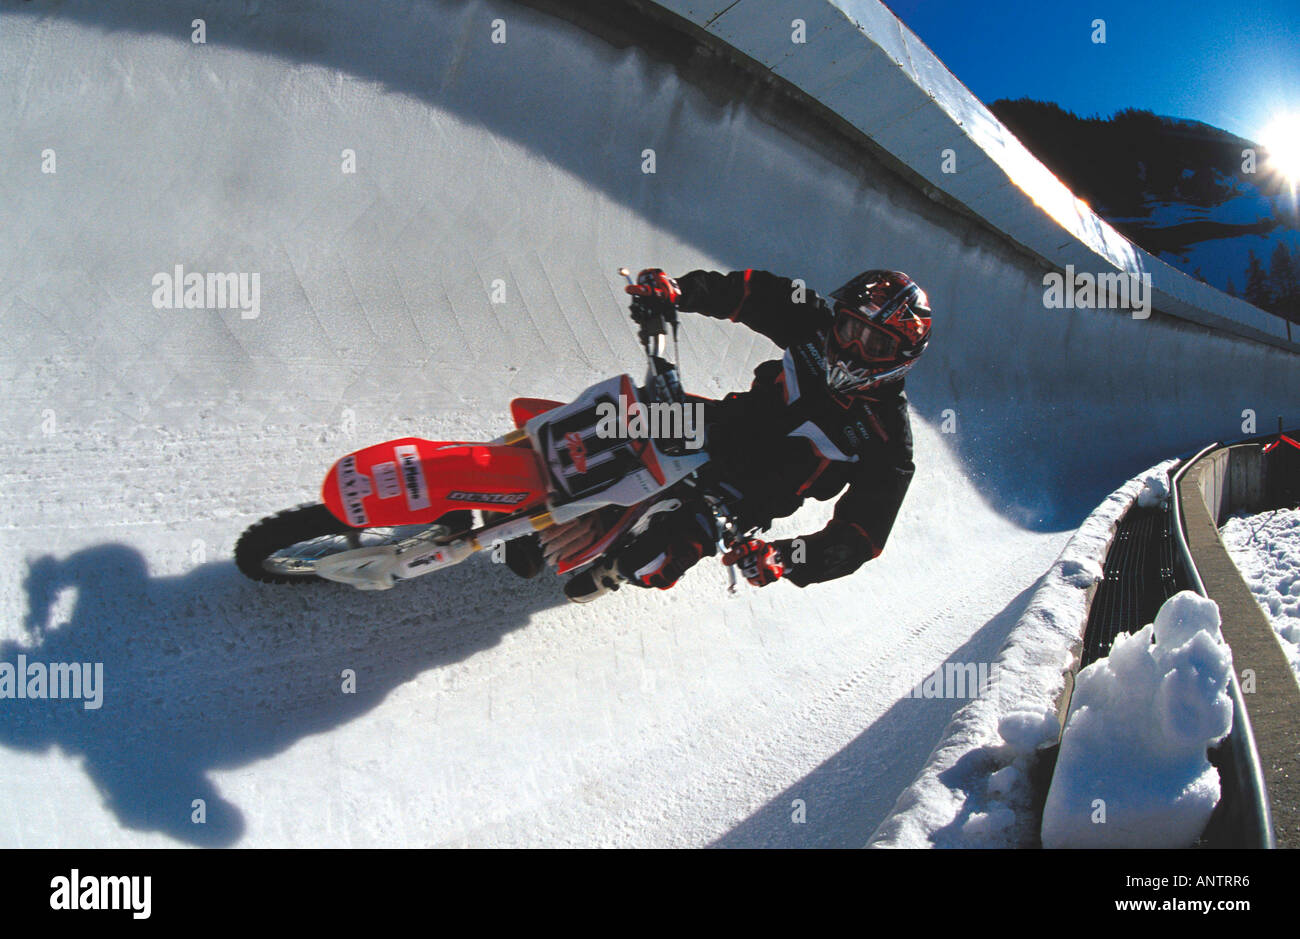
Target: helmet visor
<point x="854" y="333"/>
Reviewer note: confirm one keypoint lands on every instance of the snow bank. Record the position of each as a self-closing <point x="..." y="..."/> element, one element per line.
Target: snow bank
<point x="1155" y="490"/>
<point x="1266" y="549"/>
<point x="974" y="790"/>
<point x="1132" y="770"/>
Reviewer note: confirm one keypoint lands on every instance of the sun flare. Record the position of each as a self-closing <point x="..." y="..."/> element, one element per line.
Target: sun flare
<point x="1281" y="142"/>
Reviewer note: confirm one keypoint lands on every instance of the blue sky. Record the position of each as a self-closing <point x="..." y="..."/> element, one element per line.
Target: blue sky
<point x="1232" y="65"/>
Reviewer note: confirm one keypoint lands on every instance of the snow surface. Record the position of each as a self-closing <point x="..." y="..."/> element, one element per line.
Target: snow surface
<point x="974" y="791"/>
<point x="1155" y="490"/>
<point x="1266" y="549"/>
<point x="1133" y="770"/>
<point x="140" y="441"/>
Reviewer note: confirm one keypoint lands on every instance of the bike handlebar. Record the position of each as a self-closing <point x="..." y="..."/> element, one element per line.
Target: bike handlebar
<point x="652" y="316"/>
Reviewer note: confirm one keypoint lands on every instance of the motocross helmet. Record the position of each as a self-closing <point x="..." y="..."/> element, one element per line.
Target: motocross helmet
<point x="881" y="326"/>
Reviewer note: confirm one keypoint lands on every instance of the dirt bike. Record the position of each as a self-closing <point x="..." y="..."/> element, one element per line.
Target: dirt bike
<point x="404" y="508"/>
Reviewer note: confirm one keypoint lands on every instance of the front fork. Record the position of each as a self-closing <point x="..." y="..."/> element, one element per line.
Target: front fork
<point x="728" y="535"/>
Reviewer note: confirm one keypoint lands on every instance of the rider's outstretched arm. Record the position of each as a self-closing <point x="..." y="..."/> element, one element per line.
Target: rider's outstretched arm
<point x="775" y="306"/>
<point x="864" y="516"/>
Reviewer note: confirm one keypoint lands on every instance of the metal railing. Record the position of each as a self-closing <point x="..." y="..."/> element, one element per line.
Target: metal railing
<point x="1249" y="795"/>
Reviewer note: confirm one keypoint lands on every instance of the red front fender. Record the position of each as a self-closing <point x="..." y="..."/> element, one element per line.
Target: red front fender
<point x="523" y="410"/>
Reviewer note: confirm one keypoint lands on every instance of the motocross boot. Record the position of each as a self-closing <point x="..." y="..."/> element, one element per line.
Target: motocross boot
<point x="596" y="581"/>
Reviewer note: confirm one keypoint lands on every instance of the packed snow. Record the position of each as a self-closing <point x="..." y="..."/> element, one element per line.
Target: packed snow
<point x="1266" y="549"/>
<point x="1155" y="490"/>
<point x="1133" y="770"/>
<point x="975" y="789"/>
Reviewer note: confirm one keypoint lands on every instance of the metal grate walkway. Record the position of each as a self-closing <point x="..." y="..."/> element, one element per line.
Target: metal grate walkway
<point x="1139" y="577"/>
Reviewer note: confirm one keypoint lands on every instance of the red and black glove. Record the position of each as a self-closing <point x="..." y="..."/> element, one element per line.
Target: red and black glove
<point x="760" y="563"/>
<point x="654" y="283"/>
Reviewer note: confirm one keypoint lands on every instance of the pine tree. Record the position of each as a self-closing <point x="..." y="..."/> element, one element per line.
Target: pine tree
<point x="1257" y="291"/>
<point x="1231" y="288"/>
<point x="1284" y="282"/>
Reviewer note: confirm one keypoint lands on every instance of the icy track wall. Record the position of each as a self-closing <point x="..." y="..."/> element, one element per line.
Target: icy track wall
<point x="141" y="439"/>
<point x="1007" y="355"/>
<point x="1075" y="400"/>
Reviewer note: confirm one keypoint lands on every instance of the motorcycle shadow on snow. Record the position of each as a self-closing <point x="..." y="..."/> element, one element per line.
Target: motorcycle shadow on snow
<point x="206" y="671"/>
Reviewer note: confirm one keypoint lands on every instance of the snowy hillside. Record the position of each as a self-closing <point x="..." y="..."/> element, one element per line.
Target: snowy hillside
<point x="1193" y="195"/>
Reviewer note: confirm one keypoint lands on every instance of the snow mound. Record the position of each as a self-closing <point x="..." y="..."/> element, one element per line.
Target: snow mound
<point x="1004" y="781"/>
<point x="1029" y="729"/>
<point x="1155" y="490"/>
<point x="1133" y="770"/>
<point x="996" y="819"/>
<point x="1081" y="572"/>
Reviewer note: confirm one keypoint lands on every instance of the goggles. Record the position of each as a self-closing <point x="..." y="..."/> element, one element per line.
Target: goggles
<point x="853" y="330"/>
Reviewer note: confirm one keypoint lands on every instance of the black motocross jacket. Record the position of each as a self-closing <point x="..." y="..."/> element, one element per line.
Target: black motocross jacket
<point x="788" y="438"/>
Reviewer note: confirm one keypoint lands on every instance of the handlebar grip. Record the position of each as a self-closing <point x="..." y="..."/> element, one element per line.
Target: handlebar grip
<point x="644" y="307"/>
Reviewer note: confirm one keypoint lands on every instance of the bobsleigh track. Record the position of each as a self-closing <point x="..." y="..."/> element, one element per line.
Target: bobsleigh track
<point x="435" y="197"/>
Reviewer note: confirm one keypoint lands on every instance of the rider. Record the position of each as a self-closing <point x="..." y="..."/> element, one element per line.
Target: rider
<point x="830" y="413"/>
